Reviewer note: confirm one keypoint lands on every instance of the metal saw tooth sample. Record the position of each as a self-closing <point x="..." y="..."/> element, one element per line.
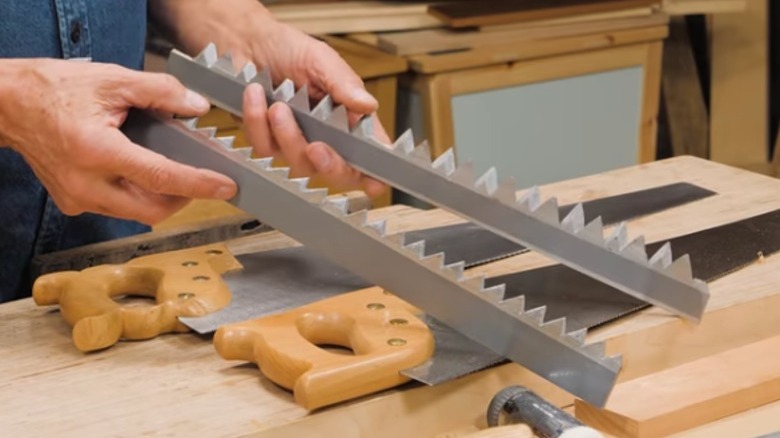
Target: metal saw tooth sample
<point x="495" y="294"/>
<point x="637" y="250"/>
<point x="506" y="191"/>
<point x="556" y="327"/>
<point x="380" y="227"/>
<point x="208" y="131"/>
<point x="455" y="270"/>
<point x="263" y="78"/>
<point x="488" y="182"/>
<point x="285" y="91"/>
<point x="300" y="99"/>
<point x="262" y="163"/>
<point x="364" y="128"/>
<point x="663" y="257"/>
<point x="537" y="314"/>
<point x="338" y="118"/>
<point x="595" y="350"/>
<point x="280" y="173"/>
<point x="548" y="212"/>
<point x="191" y="123"/>
<point x="248" y="72"/>
<point x="323" y="108"/>
<point x="422" y="153"/>
<point x="578" y="336"/>
<point x="245" y="152"/>
<point x="464" y="174"/>
<point x="359" y="218"/>
<point x="349" y="240"/>
<point x="416" y="248"/>
<point x="404" y="144"/>
<point x="301" y="183"/>
<point x="434" y="261"/>
<point x="444" y="164"/>
<point x="208" y="56"/>
<point x="681" y="268"/>
<point x="594" y="231"/>
<point x="338" y="205"/>
<point x="227" y="142"/>
<point x="618" y="239"/>
<point x="614" y="362"/>
<point x="530" y="199"/>
<point x="574" y="221"/>
<point x="225" y="64"/>
<point x="514" y="305"/>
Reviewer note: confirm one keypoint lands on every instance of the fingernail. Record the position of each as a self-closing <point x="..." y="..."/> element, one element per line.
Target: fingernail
<point x="225" y="192"/>
<point x="364" y="96"/>
<point x="277" y="116"/>
<point x="320" y="158"/>
<point x="196" y="101"/>
<point x="254" y="94"/>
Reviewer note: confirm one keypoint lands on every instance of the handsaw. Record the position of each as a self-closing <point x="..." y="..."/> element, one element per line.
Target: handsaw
<point x="442" y="291"/>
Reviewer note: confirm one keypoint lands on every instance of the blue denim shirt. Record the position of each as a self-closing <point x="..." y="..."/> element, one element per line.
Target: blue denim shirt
<point x="30" y="224"/>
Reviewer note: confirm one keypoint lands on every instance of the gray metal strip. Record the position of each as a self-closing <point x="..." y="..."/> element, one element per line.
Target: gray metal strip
<point x="504" y="326"/>
<point x="486" y="201"/>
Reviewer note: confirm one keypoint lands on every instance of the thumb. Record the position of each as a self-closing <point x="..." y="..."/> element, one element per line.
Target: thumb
<point x="162" y="92"/>
<point x="335" y="77"/>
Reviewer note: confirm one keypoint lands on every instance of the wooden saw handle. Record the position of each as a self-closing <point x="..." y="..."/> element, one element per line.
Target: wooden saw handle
<point x="379" y="328"/>
<point x="182" y="283"/>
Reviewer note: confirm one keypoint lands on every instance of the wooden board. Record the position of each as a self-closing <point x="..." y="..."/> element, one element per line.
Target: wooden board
<point x="691" y="7"/>
<point x="465" y="14"/>
<point x="692" y="394"/>
<point x="176" y="385"/>
<point x="440" y="40"/>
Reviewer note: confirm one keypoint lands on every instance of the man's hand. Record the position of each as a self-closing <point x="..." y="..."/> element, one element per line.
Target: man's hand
<point x="246" y="30"/>
<point x="63" y="117"/>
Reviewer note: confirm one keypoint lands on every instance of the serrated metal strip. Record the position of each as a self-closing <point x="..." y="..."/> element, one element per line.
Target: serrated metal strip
<point x="388" y="261"/>
<point x="527" y="221"/>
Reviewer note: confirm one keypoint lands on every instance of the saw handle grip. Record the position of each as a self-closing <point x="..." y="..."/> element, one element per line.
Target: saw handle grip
<point x="181" y="283"/>
<point x="380" y="329"/>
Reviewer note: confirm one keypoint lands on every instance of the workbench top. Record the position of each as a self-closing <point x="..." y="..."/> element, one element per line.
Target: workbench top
<point x="176" y="385"/>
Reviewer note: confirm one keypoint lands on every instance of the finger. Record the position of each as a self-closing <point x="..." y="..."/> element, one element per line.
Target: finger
<point x="256" y="126"/>
<point x="161" y="92"/>
<point x="125" y="200"/>
<point x="333" y="169"/>
<point x="333" y="75"/>
<point x="291" y="141"/>
<point x="373" y="188"/>
<point x="158" y="174"/>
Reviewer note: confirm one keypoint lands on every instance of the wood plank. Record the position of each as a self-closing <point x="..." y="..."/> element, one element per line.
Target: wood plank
<point x="682" y="94"/>
<point x="651" y="96"/>
<point x="691" y="7"/>
<point x="503" y="53"/>
<point x="368" y="62"/>
<point x="574" y="19"/>
<point x="690" y="395"/>
<point x="440" y="40"/>
<point x="465" y="14"/>
<point x="739" y="107"/>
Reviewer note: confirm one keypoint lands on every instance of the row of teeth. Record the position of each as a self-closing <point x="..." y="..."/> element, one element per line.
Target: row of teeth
<point x="487" y="184"/>
<point x="515" y="306"/>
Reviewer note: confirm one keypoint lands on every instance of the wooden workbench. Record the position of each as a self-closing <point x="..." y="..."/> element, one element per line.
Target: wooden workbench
<point x="176" y="385"/>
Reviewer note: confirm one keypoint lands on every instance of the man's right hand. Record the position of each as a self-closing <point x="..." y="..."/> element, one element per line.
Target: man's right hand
<point x="63" y="117"/>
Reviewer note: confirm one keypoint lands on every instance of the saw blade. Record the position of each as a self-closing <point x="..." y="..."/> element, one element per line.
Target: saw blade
<point x="507" y="327"/>
<point x="493" y="204"/>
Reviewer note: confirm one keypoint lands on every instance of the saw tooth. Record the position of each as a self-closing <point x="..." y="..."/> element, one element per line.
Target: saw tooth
<point x="663" y="257"/>
<point x="301" y="183"/>
<point x="248" y="72"/>
<point x="262" y="163"/>
<point x="323" y="109"/>
<point x="315" y="196"/>
<point x="338" y="204"/>
<point x="556" y="327"/>
<point x="364" y="128"/>
<point x="578" y="336"/>
<point x="574" y="221"/>
<point x="422" y="153"/>
<point x="416" y="248"/>
<point x="190" y="123"/>
<point x="636" y="250"/>
<point x="338" y="118"/>
<point x="285" y="91"/>
<point x="475" y="284"/>
<point x="263" y="78"/>
<point x="488" y="182"/>
<point x="494" y="294"/>
<point x="245" y="152"/>
<point x="456" y="270"/>
<point x="681" y="268"/>
<point x="530" y="199"/>
<point x="614" y="363"/>
<point x="280" y="172"/>
<point x="464" y="175"/>
<point x="594" y="231"/>
<point x="515" y="305"/>
<point x="397" y="240"/>
<point x="404" y="144"/>
<point x="618" y="239"/>
<point x="208" y="56"/>
<point x="507" y="191"/>
<point x="209" y="131"/>
<point x="595" y="351"/>
<point x="380" y="227"/>
<point x="300" y="100"/>
<point x="227" y="142"/>
<point x="444" y="164"/>
<point x="548" y="212"/>
<point x="225" y="65"/>
<point x="537" y="314"/>
<point x="434" y="261"/>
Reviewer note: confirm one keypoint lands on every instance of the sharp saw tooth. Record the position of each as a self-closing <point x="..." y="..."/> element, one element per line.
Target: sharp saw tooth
<point x="444" y="164"/>
<point x="556" y="327"/>
<point x="434" y="261"/>
<point x="301" y="183"/>
<point x="248" y="72"/>
<point x="594" y="231"/>
<point x="456" y="270"/>
<point x="548" y="212"/>
<point x="488" y="182"/>
<point x="515" y="305"/>
<point x="578" y="336"/>
<point x="300" y="100"/>
<point x="618" y="239"/>
<point x="404" y="144"/>
<point x="530" y="199"/>
<point x="209" y="131"/>
<point x="537" y="314"/>
<point x="323" y="109"/>
<point x="474" y="284"/>
<point x="464" y="174"/>
<point x="397" y="240"/>
<point x="245" y="153"/>
<point x="225" y="64"/>
<point x="416" y="248"/>
<point x="636" y="250"/>
<point x="614" y="363"/>
<point x="595" y="350"/>
<point x="663" y="257"/>
<point x="364" y="127"/>
<point x="262" y="163"/>
<point x="263" y="78"/>
<point x="681" y="269"/>
<point x="422" y="153"/>
<point x="574" y="222"/>
<point x="380" y="227"/>
<point x="227" y="142"/>
<point x="338" y="118"/>
<point x="494" y="294"/>
<point x="507" y="191"/>
<point x="280" y="172"/>
<point x="190" y="123"/>
<point x="338" y="204"/>
<point x="285" y="91"/>
<point x="315" y="196"/>
<point x="207" y="56"/>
